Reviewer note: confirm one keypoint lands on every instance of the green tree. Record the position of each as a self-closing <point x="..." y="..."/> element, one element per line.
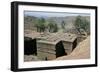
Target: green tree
<point x="63" y="24"/>
<point x="52" y="26"/>
<point x="83" y="24"/>
<point x="86" y="26"/>
<point x="40" y="25"/>
<point x="36" y="24"/>
<point x="55" y="28"/>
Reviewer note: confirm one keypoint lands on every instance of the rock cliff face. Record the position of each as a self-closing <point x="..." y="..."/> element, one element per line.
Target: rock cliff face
<point x="82" y="51"/>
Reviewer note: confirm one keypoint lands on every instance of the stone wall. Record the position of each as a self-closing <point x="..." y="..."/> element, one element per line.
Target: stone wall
<point x="67" y="47"/>
<point x="45" y="51"/>
<point x="45" y="55"/>
<point x="50" y="51"/>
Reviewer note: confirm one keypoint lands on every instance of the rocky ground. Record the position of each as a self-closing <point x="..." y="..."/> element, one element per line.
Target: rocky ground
<point x="28" y="58"/>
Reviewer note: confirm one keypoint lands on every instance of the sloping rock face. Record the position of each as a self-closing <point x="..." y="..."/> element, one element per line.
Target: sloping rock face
<point x="82" y="51"/>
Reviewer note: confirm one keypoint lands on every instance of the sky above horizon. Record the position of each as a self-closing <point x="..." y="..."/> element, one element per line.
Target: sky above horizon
<point x="52" y="14"/>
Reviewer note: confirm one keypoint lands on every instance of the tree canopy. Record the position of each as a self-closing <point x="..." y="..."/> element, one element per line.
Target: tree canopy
<point x="82" y="23"/>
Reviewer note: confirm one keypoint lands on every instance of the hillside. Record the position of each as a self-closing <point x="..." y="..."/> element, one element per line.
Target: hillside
<point x="29" y="21"/>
